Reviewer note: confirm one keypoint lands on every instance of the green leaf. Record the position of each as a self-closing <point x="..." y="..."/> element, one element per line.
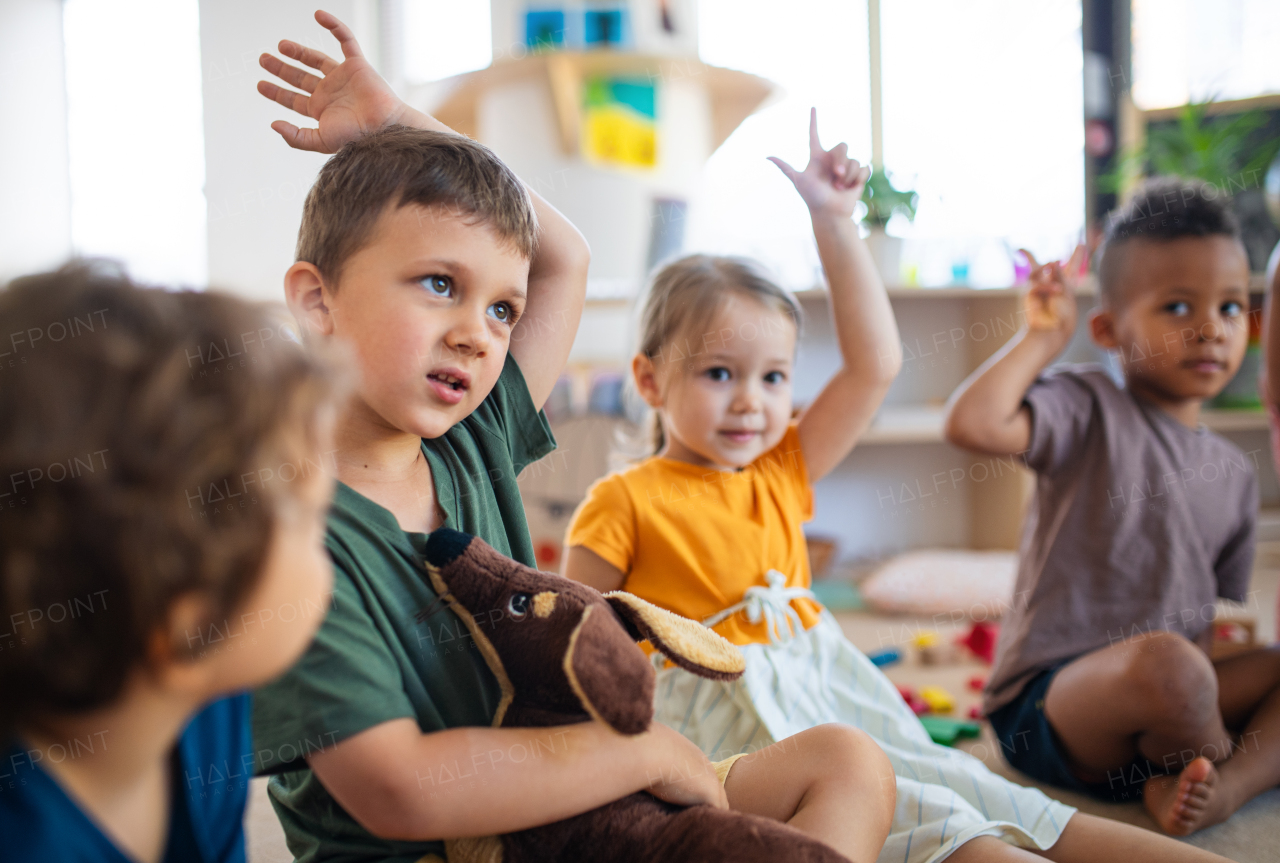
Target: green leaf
<point x="883" y="199"/>
<point x="1217" y="150"/>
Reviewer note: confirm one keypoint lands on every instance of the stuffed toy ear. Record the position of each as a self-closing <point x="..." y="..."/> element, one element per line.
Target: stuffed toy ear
<point x="685" y="642"/>
<point x="610" y="676"/>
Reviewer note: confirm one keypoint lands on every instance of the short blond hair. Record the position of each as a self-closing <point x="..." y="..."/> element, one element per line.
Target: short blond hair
<point x="398" y="166"/>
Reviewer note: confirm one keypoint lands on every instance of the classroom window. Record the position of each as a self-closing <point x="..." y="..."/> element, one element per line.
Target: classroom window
<point x="816" y="50"/>
<point x="1196" y="50"/>
<point x="444" y="38"/>
<point x="136" y="136"/>
<point x="995" y="147"/>
<point x="995" y="144"/>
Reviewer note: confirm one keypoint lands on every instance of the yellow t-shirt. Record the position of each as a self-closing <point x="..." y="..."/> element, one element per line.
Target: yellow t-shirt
<point x="693" y="539"/>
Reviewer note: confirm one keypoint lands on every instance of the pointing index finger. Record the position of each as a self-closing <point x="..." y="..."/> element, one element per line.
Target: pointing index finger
<point x="1076" y="260"/>
<point x="815" y="146"/>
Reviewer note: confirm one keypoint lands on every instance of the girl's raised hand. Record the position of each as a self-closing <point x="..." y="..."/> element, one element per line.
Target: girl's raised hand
<point x="832" y="182"/>
<point x="348" y="98"/>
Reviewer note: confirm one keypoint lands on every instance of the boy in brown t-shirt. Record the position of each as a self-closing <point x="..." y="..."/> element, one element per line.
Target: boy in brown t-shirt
<point x="1141" y="518"/>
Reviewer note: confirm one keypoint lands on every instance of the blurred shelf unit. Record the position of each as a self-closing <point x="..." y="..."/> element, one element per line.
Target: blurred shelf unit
<point x="733" y="95"/>
<point x="913" y="424"/>
<point x="904" y="486"/>
<point x="1269" y="524"/>
<point x="1089" y="288"/>
<point x="882" y="498"/>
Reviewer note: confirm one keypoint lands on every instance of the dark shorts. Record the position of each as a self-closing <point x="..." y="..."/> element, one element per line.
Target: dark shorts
<point x="1030" y="744"/>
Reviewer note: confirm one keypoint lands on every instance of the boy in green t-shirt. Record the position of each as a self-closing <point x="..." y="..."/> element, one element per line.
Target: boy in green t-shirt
<point x="458" y="292"/>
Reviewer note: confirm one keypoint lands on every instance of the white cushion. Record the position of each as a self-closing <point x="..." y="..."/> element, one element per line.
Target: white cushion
<point x="956" y="582"/>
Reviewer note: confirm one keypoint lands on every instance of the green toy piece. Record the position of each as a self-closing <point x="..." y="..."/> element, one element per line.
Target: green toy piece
<point x="944" y="730"/>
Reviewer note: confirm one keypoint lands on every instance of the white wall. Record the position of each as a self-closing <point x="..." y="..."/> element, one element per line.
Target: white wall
<point x="612" y="207"/>
<point x="35" y="195"/>
<point x="255" y="184"/>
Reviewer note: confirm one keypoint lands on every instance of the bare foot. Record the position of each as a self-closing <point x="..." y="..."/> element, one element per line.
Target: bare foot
<point x="1185" y="803"/>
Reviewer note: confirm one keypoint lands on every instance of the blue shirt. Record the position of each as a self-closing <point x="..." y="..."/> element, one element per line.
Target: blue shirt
<point x="212" y="766"/>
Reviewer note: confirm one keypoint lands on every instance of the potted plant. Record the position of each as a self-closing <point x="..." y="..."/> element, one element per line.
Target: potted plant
<point x="1231" y="152"/>
<point x="882" y="200"/>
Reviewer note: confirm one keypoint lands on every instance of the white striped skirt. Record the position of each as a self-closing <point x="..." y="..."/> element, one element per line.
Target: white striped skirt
<point x="945" y="796"/>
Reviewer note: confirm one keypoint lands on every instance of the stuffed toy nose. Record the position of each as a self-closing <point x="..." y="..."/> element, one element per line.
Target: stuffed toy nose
<point x="445" y="545"/>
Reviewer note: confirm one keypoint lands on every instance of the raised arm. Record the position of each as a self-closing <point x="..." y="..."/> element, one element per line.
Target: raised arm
<point x="399" y="783"/>
<point x="870" y="349"/>
<point x="349" y="99"/>
<point x="985" y="414"/>
<point x="1270" y="383"/>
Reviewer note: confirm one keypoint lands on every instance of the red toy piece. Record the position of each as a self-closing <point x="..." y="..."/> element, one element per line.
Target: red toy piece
<point x="981" y="640"/>
<point x="977" y="683"/>
<point x="917" y="704"/>
<point x="975" y="712"/>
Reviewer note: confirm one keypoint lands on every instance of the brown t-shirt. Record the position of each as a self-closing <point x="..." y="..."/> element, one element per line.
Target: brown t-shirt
<point x="1138" y="524"/>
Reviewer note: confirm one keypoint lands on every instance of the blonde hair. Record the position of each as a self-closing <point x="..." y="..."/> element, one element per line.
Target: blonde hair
<point x="690" y="291"/>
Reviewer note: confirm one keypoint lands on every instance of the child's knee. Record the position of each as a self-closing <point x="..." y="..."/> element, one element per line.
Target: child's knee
<point x="849" y="755"/>
<point x="1173" y="676"/>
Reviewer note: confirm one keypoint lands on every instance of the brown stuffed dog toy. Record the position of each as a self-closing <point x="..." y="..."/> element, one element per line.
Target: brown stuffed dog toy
<point x="563" y="653"/>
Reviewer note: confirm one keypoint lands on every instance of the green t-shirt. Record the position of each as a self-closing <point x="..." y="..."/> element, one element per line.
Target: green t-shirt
<point x="372" y="661"/>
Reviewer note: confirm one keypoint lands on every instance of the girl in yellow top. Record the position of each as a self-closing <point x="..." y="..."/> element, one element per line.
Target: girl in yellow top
<point x="710" y="527"/>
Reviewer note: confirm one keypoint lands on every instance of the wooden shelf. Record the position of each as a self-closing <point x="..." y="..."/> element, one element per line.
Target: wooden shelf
<point x="1089" y="288"/>
<point x="1235" y="420"/>
<point x="917" y="424"/>
<point x="734" y="95"/>
<point x="1269" y="524"/>
<point x="1257" y="285"/>
<point x="1270" y="101"/>
<point x="905" y="424"/>
<point x="949" y="292"/>
<point x="608" y="302"/>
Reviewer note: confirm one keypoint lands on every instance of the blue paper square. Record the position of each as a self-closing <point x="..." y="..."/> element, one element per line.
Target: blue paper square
<point x="604" y="28"/>
<point x="544" y="28"/>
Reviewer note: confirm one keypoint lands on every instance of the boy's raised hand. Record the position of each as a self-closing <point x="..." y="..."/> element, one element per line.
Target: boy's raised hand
<point x="831" y="183"/>
<point x="348" y="98"/>
<point x="1050" y="302"/>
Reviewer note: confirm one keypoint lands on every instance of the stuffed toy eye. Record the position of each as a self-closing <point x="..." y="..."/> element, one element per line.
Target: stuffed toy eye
<point x="518" y="606"/>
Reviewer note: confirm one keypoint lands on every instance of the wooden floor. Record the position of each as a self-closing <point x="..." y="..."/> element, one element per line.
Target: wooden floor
<point x="1249" y="837"/>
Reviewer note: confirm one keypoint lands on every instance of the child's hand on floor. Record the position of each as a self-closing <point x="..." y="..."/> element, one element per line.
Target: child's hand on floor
<point x="1050" y="301"/>
<point x="831" y="183"/>
<point x="349" y="99"/>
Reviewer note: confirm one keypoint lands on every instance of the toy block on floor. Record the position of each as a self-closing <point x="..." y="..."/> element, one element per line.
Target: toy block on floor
<point x="927" y="638"/>
<point x="981" y="640"/>
<point x="944" y="730"/>
<point x="938" y="699"/>
<point x="1232" y="636"/>
<point x="915" y="702"/>
<point x="881" y="658"/>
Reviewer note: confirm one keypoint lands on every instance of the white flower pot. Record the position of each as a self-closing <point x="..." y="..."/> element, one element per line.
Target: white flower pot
<point x="886" y="251"/>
